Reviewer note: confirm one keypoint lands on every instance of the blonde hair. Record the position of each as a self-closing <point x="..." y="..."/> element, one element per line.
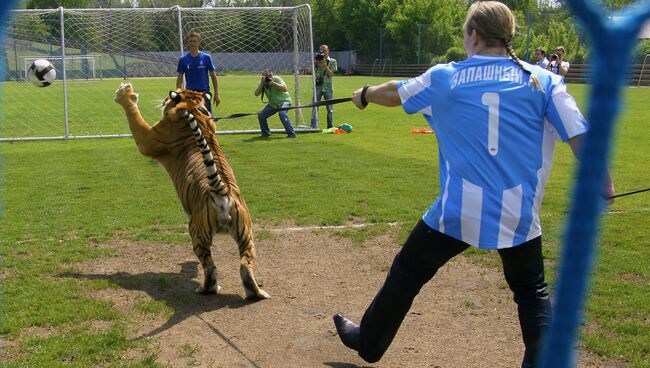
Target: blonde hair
<point x="495" y="24"/>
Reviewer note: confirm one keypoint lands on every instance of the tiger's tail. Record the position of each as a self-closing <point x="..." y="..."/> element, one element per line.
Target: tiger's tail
<point x="219" y="192"/>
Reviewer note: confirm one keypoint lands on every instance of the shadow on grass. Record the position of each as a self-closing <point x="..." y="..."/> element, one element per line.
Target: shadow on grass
<point x="257" y="138"/>
<point x="175" y="290"/>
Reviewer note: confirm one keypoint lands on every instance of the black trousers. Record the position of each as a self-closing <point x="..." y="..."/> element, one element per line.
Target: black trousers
<point x="425" y="251"/>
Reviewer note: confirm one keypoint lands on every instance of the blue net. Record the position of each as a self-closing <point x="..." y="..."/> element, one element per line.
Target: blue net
<point x="5" y="6"/>
<point x="608" y="38"/>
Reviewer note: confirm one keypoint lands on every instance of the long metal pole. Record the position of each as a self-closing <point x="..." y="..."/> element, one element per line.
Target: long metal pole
<point x="65" y="79"/>
<point x="180" y="33"/>
<point x="528" y="38"/>
<point x="349" y="58"/>
<point x="314" y="120"/>
<point x="419" y="35"/>
<point x="381" y="43"/>
<point x="15" y="37"/>
<point x="296" y="66"/>
<point x="641" y="73"/>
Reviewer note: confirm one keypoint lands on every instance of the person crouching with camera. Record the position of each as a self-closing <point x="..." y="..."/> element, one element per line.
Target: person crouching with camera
<point x="558" y="65"/>
<point x="276" y="92"/>
<point x="324" y="68"/>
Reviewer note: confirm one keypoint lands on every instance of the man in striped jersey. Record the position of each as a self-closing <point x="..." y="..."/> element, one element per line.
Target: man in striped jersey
<point x="496" y="119"/>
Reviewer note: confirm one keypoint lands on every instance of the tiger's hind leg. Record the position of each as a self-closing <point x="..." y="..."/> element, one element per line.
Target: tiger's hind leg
<point x="201" y="242"/>
<point x="241" y="229"/>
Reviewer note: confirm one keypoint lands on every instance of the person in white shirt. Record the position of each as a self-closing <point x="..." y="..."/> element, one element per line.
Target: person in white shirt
<point x="557" y="64"/>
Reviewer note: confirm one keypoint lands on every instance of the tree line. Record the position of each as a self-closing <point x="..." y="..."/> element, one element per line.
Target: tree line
<point x="404" y="31"/>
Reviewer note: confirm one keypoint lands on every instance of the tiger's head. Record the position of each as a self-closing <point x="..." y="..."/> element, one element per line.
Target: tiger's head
<point x="176" y="103"/>
<point x="189" y="100"/>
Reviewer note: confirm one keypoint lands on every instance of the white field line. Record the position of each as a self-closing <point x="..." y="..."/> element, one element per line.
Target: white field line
<point x="337" y="227"/>
<point x="359" y="226"/>
<point x="615" y="212"/>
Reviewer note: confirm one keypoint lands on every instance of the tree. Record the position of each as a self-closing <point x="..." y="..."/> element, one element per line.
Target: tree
<point x="521" y="5"/>
<point x="614" y="5"/>
<point x="360" y="21"/>
<point x="53" y="4"/>
<point x="326" y="28"/>
<point x="437" y="23"/>
<point x="549" y="28"/>
<point x="166" y="3"/>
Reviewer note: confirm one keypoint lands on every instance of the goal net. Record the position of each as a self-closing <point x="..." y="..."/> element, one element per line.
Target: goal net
<point x="78" y="67"/>
<point x="94" y="50"/>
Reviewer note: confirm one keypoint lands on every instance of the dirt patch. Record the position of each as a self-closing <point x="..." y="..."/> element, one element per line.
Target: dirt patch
<point x="464" y="317"/>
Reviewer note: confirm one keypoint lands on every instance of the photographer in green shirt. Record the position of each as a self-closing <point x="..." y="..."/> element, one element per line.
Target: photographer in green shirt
<point x="275" y="91"/>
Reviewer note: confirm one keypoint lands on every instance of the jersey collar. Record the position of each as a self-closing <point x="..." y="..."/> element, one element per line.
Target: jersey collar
<point x="477" y="56"/>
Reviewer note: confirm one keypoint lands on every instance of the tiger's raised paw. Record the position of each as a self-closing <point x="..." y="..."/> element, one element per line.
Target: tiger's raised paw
<point x="124" y="95"/>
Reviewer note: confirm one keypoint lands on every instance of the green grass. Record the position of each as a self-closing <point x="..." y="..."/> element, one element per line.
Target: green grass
<point x="61" y="198"/>
<point x="29" y="111"/>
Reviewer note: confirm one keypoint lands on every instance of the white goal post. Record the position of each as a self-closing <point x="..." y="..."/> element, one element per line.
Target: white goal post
<point x="142" y="47"/>
<point x="645" y="59"/>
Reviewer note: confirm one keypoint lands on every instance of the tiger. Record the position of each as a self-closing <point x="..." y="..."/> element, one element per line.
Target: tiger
<point x="183" y="141"/>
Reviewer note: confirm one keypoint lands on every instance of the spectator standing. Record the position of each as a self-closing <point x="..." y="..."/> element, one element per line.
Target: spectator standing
<point x="196" y="66"/>
<point x="325" y="66"/>
<point x="540" y="58"/>
<point x="276" y="92"/>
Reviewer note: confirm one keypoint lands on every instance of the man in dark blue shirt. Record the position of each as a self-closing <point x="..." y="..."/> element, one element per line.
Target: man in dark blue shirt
<point x="195" y="66"/>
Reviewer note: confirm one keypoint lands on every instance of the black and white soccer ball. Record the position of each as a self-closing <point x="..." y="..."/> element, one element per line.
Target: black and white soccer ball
<point x="42" y="73"/>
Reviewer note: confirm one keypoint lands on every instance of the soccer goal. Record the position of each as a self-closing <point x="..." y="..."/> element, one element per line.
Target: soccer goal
<point x="142" y="47"/>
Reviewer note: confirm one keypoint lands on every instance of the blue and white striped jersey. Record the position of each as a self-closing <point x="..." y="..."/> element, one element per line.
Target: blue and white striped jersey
<point x="496" y="131"/>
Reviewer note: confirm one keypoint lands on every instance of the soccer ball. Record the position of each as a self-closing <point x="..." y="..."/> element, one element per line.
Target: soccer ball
<point x="42" y="73"/>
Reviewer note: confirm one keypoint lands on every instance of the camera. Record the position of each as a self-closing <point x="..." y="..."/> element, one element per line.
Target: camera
<point x="319" y="56"/>
<point x="553" y="56"/>
<point x="267" y="79"/>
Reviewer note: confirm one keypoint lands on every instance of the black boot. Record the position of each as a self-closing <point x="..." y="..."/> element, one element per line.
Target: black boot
<point x="349" y="332"/>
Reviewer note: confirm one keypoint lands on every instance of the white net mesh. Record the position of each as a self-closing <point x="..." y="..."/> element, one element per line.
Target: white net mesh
<point x="94" y="50"/>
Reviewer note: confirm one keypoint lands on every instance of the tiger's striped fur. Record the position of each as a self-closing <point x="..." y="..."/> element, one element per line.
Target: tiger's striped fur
<point x="184" y="143"/>
<point x="218" y="189"/>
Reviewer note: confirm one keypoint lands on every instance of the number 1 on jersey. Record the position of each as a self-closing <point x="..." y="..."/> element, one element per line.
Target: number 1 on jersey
<point x="491" y="99"/>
